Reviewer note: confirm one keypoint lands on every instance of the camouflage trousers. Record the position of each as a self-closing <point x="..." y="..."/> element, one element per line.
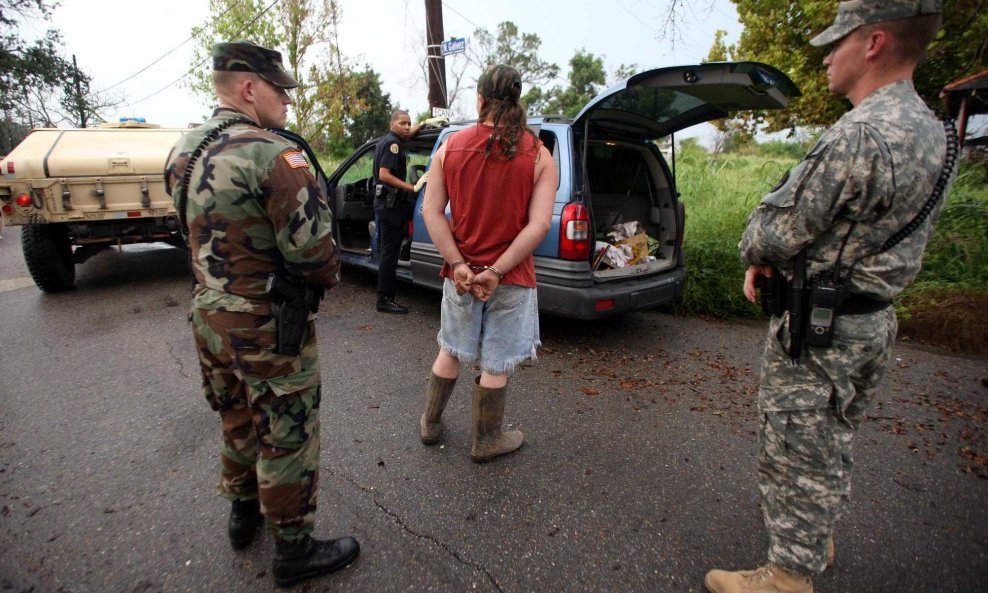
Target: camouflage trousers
<point x="809" y="415"/>
<point x="269" y="408"/>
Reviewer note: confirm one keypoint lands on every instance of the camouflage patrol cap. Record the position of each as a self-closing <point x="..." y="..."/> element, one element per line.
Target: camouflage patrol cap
<point x="500" y="81"/>
<point x="247" y="56"/>
<point x="853" y="14"/>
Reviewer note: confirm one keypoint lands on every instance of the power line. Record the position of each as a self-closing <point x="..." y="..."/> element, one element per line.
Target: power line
<point x="460" y="14"/>
<point x="172" y="50"/>
<point x="203" y="61"/>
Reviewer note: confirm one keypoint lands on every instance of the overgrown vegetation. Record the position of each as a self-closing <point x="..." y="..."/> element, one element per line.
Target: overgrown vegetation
<point x="720" y="190"/>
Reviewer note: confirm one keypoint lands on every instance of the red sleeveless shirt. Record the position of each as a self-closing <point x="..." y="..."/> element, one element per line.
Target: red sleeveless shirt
<point x="488" y="199"/>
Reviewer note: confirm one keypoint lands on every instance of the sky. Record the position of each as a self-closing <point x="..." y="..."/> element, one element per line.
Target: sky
<point x="137" y="50"/>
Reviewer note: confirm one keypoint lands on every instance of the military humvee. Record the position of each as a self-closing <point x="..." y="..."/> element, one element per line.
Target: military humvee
<point x="78" y="191"/>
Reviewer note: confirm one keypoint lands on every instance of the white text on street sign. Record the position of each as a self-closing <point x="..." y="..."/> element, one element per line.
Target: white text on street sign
<point x="453" y="46"/>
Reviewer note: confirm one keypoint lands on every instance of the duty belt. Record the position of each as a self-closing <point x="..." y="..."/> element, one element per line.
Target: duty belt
<point x="859" y="304"/>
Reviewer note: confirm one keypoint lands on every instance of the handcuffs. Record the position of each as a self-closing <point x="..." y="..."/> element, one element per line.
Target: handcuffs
<point x="477" y="267"/>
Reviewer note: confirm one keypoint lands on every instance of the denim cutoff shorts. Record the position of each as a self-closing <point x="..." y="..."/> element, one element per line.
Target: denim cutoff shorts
<point x="502" y="332"/>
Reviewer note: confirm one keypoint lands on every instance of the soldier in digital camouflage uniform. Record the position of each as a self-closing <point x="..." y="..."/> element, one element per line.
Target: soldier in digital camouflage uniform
<point x="867" y="177"/>
<point x="254" y="208"/>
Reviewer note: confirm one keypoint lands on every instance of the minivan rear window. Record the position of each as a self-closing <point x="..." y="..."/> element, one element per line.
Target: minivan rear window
<point x="658" y="104"/>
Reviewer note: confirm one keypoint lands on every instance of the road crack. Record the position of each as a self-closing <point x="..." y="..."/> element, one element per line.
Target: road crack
<point x="181" y="365"/>
<point x="423" y="536"/>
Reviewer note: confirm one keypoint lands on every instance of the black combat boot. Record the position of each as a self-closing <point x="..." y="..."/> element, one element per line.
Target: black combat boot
<point x="386" y="304"/>
<point x="245" y="518"/>
<point x="310" y="557"/>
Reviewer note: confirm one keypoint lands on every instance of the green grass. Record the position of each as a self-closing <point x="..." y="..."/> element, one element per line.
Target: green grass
<point x="957" y="255"/>
<point x="720" y="191"/>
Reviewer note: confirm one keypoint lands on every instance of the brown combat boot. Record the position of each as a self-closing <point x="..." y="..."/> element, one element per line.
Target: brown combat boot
<point x="770" y="578"/>
<point x="488" y="412"/>
<point x="436" y="396"/>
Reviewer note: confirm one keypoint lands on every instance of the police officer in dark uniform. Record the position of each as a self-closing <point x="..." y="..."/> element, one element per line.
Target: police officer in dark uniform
<point x="394" y="199"/>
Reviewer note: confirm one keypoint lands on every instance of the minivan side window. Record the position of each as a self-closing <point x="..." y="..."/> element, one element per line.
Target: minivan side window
<point x="549" y="140"/>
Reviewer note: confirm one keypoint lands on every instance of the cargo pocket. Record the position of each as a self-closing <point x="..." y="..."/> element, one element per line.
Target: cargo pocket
<point x="291" y="417"/>
<point x="256" y="362"/>
<point x="786" y="386"/>
<point x="809" y="442"/>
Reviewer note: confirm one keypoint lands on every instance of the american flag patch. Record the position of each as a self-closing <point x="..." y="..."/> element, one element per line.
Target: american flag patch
<point x="295" y="160"/>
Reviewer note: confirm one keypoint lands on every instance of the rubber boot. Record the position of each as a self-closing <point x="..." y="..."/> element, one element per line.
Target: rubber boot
<point x="770" y="578"/>
<point x="436" y="396"/>
<point x="245" y="518"/>
<point x="310" y="558"/>
<point x="488" y="412"/>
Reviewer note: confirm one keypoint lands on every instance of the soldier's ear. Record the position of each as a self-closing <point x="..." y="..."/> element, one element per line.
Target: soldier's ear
<point x="248" y="89"/>
<point x="876" y="42"/>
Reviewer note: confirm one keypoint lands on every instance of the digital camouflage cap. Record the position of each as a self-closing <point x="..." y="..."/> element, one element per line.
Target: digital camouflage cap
<point x="247" y="56"/>
<point x="500" y="82"/>
<point x="853" y="14"/>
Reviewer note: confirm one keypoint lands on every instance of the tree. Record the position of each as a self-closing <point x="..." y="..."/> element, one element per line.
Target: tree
<point x="732" y="133"/>
<point x="301" y="20"/>
<point x="624" y="72"/>
<point x="234" y="20"/>
<point x="334" y="104"/>
<point x="777" y="32"/>
<point x="586" y="79"/>
<point x="373" y="108"/>
<point x="38" y="86"/>
<point x="678" y="12"/>
<point x="518" y="50"/>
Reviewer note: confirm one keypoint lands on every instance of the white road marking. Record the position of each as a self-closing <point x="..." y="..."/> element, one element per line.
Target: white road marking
<point x="15" y="284"/>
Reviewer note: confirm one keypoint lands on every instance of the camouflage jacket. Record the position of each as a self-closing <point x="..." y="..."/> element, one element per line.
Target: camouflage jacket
<point x="253" y="208"/>
<point x="865" y="179"/>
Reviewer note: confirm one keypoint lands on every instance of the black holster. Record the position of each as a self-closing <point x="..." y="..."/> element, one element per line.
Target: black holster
<point x="391" y="195"/>
<point x="292" y="299"/>
<point x="773" y="293"/>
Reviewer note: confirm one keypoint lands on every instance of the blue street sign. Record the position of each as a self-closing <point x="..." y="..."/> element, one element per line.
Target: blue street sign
<point x="453" y="46"/>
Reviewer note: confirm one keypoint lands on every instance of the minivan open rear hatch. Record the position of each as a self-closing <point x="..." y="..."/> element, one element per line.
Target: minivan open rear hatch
<point x="656" y="103"/>
<point x="630" y="189"/>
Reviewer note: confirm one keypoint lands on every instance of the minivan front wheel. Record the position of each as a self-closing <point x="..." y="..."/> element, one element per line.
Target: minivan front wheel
<point x="48" y="253"/>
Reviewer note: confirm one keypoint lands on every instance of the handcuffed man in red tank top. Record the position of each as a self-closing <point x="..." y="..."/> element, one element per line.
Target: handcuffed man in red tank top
<point x="499" y="182"/>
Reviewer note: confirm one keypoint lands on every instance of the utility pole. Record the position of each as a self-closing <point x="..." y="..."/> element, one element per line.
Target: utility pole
<point x="79" y="103"/>
<point x="435" y="62"/>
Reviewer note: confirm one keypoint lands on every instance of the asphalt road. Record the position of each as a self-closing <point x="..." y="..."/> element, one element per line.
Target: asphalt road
<point x="638" y="472"/>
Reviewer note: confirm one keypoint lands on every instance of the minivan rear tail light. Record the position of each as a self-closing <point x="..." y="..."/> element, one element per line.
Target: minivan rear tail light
<point x="574" y="232"/>
<point x="24" y="200"/>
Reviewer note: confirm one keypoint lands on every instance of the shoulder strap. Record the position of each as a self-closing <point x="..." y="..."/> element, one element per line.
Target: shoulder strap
<point x="211" y="136"/>
<point x="950" y="162"/>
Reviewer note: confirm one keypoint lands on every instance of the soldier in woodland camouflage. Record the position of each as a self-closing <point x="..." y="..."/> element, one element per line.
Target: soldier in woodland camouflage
<point x="867" y="177"/>
<point x="253" y="208"/>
